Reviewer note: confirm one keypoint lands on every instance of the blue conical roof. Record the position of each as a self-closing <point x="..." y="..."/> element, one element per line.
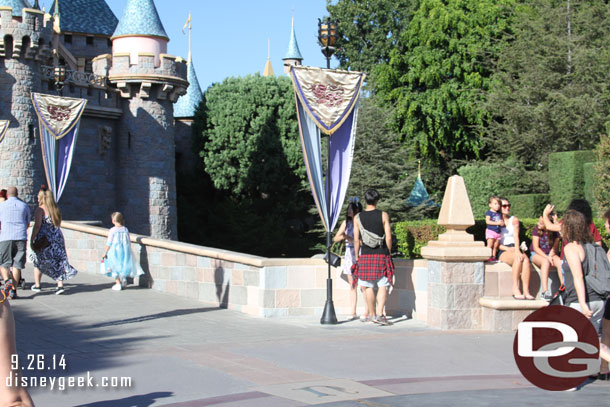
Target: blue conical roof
<point x="17" y="5"/>
<point x="86" y="16"/>
<point x="140" y="17"/>
<point x="419" y="195"/>
<point x="187" y="103"/>
<point x="293" y="48"/>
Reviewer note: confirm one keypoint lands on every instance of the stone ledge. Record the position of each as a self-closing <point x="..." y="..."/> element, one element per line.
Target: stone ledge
<point x="508" y="303"/>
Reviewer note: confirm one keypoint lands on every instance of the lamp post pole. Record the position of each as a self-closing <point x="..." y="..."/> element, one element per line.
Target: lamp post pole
<point x="327" y="36"/>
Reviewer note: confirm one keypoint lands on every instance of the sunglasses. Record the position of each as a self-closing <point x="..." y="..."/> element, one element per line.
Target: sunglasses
<point x="506" y="206"/>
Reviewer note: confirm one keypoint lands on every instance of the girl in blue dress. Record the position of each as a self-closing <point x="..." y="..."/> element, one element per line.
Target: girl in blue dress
<point x="118" y="261"/>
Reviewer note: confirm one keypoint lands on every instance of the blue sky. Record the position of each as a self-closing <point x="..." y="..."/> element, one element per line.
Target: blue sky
<point x="229" y="38"/>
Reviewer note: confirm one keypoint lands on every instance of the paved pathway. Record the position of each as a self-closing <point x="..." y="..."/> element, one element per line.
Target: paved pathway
<point x="183" y="353"/>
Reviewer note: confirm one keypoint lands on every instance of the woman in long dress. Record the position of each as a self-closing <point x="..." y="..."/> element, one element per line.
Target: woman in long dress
<point x="346" y="233"/>
<point x="118" y="261"/>
<point x="51" y="260"/>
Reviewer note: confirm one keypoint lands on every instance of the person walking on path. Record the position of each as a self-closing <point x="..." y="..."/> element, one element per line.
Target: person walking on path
<point x="118" y="260"/>
<point x="14" y="222"/>
<point x="346" y="233"/>
<point x="374" y="265"/>
<point x="51" y="260"/>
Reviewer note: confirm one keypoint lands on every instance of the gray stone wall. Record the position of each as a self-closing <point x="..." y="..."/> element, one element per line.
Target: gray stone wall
<point x="22" y="42"/>
<point x="186" y="157"/>
<point x="20" y="160"/>
<point x="90" y="192"/>
<point x="146" y="160"/>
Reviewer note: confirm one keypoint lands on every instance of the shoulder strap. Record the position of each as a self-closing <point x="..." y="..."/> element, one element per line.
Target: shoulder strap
<point x="370" y="239"/>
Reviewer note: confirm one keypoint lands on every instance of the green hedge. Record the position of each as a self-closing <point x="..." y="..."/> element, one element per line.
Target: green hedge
<point x="566" y="176"/>
<point x="505" y="179"/>
<point x="413" y="235"/>
<point x="590" y="185"/>
<point x="528" y="205"/>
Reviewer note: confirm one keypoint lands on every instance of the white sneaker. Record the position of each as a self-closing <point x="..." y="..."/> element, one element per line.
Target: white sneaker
<point x="117" y="287"/>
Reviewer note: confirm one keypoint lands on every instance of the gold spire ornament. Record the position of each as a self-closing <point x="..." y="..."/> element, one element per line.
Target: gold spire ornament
<point x="268" y="68"/>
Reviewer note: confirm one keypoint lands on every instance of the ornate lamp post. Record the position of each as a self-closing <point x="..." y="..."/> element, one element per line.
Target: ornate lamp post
<point x="327" y="36"/>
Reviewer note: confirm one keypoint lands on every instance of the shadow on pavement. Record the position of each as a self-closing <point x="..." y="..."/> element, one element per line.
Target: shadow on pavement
<point x="166" y="314"/>
<point x="142" y="400"/>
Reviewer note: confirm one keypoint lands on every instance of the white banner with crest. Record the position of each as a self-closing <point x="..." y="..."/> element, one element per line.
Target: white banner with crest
<point x="58" y="121"/>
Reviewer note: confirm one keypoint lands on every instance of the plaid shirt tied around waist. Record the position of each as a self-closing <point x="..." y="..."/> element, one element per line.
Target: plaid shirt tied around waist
<point x="372" y="267"/>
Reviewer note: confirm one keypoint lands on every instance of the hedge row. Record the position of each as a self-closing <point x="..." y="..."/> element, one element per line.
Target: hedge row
<point x="413" y="235"/>
<point x="567" y="176"/>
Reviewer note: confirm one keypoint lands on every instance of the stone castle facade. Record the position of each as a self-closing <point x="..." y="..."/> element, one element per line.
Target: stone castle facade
<point x="125" y="155"/>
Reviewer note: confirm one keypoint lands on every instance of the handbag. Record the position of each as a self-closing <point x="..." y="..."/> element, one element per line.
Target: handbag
<point x="40" y="244"/>
<point x="335" y="258"/>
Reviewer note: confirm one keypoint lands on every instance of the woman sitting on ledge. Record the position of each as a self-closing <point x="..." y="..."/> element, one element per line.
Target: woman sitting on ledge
<point x="510" y="253"/>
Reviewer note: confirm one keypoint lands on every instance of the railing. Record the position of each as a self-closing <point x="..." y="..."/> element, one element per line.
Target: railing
<point x="75" y="77"/>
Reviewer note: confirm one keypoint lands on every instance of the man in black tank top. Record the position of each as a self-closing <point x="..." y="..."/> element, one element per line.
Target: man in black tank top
<point x="374" y="265"/>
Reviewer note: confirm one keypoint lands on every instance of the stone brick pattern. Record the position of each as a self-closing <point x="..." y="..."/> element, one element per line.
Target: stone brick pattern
<point x="454" y="290"/>
<point x="249" y="284"/>
<point x="23" y="41"/>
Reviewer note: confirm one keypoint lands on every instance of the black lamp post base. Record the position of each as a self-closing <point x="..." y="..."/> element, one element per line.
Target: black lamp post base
<point x="328" y="316"/>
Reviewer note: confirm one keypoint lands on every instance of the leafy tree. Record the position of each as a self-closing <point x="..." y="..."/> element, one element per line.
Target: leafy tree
<point x="251" y="145"/>
<point x="381" y="163"/>
<point x="436" y="81"/>
<point x="369" y="30"/>
<point x="550" y="91"/>
<point x="248" y="193"/>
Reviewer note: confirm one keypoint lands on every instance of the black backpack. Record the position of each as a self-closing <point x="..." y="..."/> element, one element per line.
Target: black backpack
<point x="597" y="273"/>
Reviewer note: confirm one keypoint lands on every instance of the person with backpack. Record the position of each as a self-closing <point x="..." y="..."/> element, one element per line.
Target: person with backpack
<point x="584" y="271"/>
<point x="604" y="370"/>
<point x="374" y="265"/>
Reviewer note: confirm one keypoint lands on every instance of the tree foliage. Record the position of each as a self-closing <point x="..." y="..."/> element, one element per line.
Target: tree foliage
<point x="550" y="89"/>
<point x="250" y="137"/>
<point x="381" y="163"/>
<point x="369" y="30"/>
<point x="602" y="173"/>
<point x="436" y="82"/>
<point x="248" y="193"/>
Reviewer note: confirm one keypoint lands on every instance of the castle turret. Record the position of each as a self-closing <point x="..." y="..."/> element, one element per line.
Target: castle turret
<point x="24" y="42"/>
<point x="293" y="55"/>
<point x="140" y="31"/>
<point x="149" y="81"/>
<point x="184" y="113"/>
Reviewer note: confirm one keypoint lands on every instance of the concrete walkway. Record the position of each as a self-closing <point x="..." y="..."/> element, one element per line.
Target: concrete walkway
<point x="183" y="353"/>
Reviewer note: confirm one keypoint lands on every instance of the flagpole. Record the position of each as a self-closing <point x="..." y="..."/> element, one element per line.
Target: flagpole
<point x="328" y="315"/>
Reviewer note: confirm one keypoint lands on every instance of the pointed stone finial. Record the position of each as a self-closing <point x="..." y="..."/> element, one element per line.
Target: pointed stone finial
<point x="456" y="215"/>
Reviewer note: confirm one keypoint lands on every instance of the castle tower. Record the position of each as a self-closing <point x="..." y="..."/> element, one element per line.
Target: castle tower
<point x="149" y="82"/>
<point x="268" y="67"/>
<point x="24" y="42"/>
<point x="184" y="114"/>
<point x="293" y="55"/>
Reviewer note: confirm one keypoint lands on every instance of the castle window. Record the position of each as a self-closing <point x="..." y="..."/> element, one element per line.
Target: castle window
<point x="109" y="42"/>
<point x="89" y="40"/>
<point x="31" y="131"/>
<point x="129" y="140"/>
<point x="68" y="38"/>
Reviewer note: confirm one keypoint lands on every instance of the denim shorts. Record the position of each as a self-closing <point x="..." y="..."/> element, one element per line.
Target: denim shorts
<point x="382" y="282"/>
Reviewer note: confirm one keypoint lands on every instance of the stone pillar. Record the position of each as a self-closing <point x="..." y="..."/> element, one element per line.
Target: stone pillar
<point x="455" y="264"/>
